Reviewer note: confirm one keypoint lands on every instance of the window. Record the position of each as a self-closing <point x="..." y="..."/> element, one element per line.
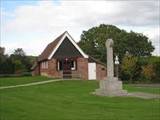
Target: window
<point x="60" y="65"/>
<point x="73" y="65"/>
<point x="66" y="65"/>
<point x="44" y="65"/>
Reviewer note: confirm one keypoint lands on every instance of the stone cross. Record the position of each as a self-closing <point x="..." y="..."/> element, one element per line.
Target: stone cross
<point x="110" y="86"/>
<point x="110" y="67"/>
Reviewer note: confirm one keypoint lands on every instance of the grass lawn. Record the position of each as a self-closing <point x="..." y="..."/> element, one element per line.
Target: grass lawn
<point x="71" y="100"/>
<point x="6" y="81"/>
<point x="131" y="88"/>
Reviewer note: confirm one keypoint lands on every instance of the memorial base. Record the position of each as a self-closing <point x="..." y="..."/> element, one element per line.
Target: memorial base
<point x="111" y="86"/>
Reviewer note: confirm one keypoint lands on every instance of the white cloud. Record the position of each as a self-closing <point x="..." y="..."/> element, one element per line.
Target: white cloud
<point x="50" y="19"/>
<point x="154" y="35"/>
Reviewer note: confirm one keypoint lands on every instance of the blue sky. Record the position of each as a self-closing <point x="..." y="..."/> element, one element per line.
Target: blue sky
<point x="33" y="24"/>
<point x="10" y="5"/>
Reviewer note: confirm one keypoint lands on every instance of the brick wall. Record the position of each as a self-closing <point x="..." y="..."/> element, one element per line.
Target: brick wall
<point x="36" y="71"/>
<point x="51" y="71"/>
<point x="101" y="72"/>
<point x="82" y="67"/>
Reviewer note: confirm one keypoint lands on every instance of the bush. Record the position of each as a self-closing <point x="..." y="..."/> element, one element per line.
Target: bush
<point x="6" y="65"/>
<point x="16" y="75"/>
<point x="148" y="72"/>
<point x="128" y="68"/>
<point x="26" y="74"/>
<point x="157" y="71"/>
<point x="140" y="69"/>
<point x="19" y="67"/>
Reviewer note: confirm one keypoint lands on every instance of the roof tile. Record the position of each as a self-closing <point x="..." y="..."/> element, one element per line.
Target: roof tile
<point x="50" y="47"/>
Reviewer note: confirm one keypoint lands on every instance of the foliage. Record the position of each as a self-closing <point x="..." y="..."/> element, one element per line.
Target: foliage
<point x="140" y="69"/>
<point x="148" y="72"/>
<point x="93" y="42"/>
<point x="133" y="67"/>
<point x="129" y="67"/>
<point x="21" y="60"/>
<point x="157" y="71"/>
<point x="16" y="63"/>
<point x="138" y="45"/>
<point x="153" y="65"/>
<point x="6" y="65"/>
<point x="19" y="66"/>
<point x="19" y="52"/>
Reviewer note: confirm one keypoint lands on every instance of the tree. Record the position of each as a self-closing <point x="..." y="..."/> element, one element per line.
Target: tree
<point x="6" y="65"/>
<point x="19" y="52"/>
<point x="17" y="62"/>
<point x="93" y="42"/>
<point x="2" y="49"/>
<point x="19" y="67"/>
<point x="138" y="45"/>
<point x="21" y="61"/>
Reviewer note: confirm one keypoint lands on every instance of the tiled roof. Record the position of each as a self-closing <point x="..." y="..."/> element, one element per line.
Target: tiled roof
<point x="50" y="47"/>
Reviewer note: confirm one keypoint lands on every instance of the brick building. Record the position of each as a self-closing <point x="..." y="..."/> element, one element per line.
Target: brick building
<point x="63" y="58"/>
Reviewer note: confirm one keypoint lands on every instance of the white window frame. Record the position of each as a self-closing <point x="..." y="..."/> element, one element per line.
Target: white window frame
<point x="58" y="65"/>
<point x="44" y="65"/>
<point x="74" y="65"/>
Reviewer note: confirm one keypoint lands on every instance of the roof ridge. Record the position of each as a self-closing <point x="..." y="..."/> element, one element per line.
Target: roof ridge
<point x="58" y="37"/>
<point x="52" y="47"/>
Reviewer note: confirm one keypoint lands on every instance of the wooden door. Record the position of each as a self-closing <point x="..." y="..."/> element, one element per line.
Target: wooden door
<point x="66" y="69"/>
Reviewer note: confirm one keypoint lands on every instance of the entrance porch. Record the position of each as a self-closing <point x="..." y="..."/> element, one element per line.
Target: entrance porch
<point x="68" y="67"/>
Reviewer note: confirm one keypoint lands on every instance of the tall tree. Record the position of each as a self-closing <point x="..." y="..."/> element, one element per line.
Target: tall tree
<point x="93" y="42"/>
<point x="17" y="62"/>
<point x="6" y="65"/>
<point x="20" y="60"/>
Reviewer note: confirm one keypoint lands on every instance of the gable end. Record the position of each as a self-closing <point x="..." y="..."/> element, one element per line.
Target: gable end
<point x="66" y="35"/>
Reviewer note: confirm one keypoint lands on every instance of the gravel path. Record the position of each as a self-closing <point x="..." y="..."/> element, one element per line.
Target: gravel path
<point x="134" y="94"/>
<point x="146" y="85"/>
<point x="144" y="95"/>
<point x="29" y="84"/>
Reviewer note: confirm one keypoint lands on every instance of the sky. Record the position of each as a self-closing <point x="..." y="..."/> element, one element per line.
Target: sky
<point x="32" y="24"/>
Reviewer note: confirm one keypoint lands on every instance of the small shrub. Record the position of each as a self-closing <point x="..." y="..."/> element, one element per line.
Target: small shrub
<point x="26" y="74"/>
<point x="148" y="72"/>
<point x="128" y="68"/>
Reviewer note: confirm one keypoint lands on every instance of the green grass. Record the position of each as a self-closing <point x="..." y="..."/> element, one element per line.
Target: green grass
<point x="6" y="81"/>
<point x="131" y="88"/>
<point x="71" y="100"/>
